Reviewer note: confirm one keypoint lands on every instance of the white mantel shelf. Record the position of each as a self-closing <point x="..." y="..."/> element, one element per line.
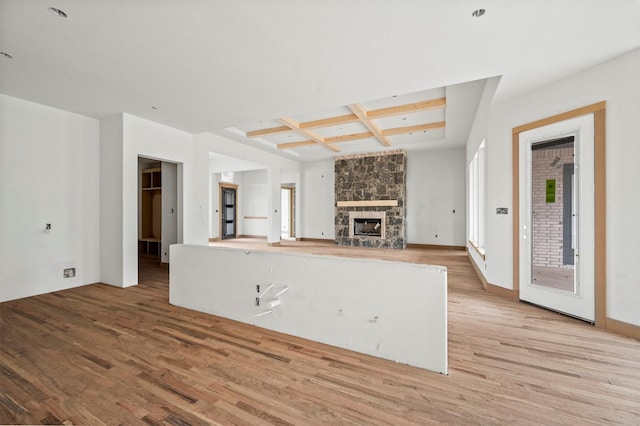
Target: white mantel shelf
<point x="368" y="203"/>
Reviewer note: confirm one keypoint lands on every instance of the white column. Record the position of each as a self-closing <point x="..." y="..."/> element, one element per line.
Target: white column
<point x="111" y="202"/>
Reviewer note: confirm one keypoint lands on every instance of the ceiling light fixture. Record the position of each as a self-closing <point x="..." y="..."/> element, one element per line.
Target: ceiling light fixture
<point x="478" y="13"/>
<point x="6" y="55"/>
<point x="58" y="12"/>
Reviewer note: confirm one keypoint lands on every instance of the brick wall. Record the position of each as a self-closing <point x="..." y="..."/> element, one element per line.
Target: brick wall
<point x="547" y="217"/>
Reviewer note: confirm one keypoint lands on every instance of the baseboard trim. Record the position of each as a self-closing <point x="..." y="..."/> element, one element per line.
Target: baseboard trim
<point x="213" y="240"/>
<point x="492" y="288"/>
<point x="316" y="240"/>
<point x="501" y="291"/>
<point x="435" y="246"/>
<point x="274" y="244"/>
<point x="623" y="328"/>
<point x="255" y="237"/>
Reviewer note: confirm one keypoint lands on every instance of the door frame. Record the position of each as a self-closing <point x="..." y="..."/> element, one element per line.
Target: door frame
<point x="579" y="302"/>
<point x="291" y="193"/>
<point x="600" y="260"/>
<point x="220" y="206"/>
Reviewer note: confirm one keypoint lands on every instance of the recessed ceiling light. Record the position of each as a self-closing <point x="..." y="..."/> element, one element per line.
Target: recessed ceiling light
<point x="478" y="13"/>
<point x="58" y="12"/>
<point x="6" y="55"/>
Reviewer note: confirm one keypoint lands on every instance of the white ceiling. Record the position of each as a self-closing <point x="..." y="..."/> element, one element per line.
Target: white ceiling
<point x="210" y="65"/>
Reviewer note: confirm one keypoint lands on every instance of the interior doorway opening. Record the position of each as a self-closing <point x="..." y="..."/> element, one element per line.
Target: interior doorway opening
<point x="228" y="211"/>
<point x="288" y="212"/>
<point x="159" y="219"/>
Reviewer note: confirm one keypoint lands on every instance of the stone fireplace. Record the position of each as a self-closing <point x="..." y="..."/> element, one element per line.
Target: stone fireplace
<point x="370" y="194"/>
<point x="367" y="223"/>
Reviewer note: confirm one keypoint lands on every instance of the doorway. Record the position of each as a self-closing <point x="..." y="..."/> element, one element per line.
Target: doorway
<point x="287" y="209"/>
<point x="228" y="209"/>
<point x="159" y="217"/>
<point x="557" y="217"/>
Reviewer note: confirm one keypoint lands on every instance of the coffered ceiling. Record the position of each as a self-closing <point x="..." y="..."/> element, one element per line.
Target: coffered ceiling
<point x="428" y="119"/>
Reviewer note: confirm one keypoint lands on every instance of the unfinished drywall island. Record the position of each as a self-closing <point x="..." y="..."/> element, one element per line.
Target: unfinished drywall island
<point x="392" y="310"/>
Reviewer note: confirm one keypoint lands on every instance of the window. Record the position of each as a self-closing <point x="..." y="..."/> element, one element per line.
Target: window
<point x="476" y="199"/>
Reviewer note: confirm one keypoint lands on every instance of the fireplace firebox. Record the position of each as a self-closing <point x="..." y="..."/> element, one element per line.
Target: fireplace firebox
<point x="368" y="227"/>
<point x="367" y="224"/>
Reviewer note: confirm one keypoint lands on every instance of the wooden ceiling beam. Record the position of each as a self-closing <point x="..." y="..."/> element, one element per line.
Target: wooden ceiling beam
<point x="407" y="108"/>
<point x="330" y="121"/>
<point x="411" y="129"/>
<point x="359" y="115"/>
<point x="290" y="145"/>
<point x="269" y="131"/>
<point x="369" y="124"/>
<point x="295" y="126"/>
<point x="347" y="138"/>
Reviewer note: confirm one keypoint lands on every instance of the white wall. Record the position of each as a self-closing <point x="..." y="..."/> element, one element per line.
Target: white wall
<point x="123" y="138"/>
<point x="479" y="132"/>
<point x="392" y="310"/>
<point x="253" y="201"/>
<point x="111" y="237"/>
<point x="152" y="140"/>
<point x="49" y="173"/>
<point x="204" y="191"/>
<point x="435" y="189"/>
<point x="318" y="200"/>
<point x="617" y="83"/>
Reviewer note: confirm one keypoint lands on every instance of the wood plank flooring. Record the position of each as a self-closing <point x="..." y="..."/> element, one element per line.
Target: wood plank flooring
<point x="104" y="355"/>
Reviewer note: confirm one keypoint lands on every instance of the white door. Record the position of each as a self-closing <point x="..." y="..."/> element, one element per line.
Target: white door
<point x="557" y="217"/>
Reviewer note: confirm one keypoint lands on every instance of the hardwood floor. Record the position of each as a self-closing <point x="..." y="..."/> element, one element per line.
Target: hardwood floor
<point x="104" y="355"/>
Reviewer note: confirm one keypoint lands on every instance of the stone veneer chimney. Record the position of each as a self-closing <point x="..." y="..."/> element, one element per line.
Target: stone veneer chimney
<point x="374" y="182"/>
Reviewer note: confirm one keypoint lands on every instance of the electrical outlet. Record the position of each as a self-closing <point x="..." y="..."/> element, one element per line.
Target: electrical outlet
<point x="69" y="273"/>
<point x="257" y="301"/>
